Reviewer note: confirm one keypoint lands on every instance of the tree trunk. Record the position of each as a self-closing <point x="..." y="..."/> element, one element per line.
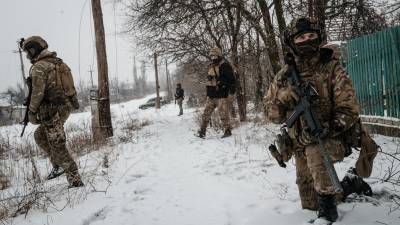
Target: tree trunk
<point x="319" y="12"/>
<point x="310" y="7"/>
<point x="259" y="82"/>
<point x="240" y="90"/>
<point x="271" y="42"/>
<point x="279" y="16"/>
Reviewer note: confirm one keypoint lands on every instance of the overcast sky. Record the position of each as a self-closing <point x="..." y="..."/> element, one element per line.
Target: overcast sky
<point x="58" y="21"/>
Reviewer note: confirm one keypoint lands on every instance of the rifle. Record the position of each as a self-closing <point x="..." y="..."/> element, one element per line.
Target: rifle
<point x="275" y="153"/>
<point x="285" y="146"/>
<point x="26" y="103"/>
<point x="305" y="92"/>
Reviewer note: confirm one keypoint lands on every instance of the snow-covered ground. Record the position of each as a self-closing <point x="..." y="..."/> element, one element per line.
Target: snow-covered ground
<point x="166" y="176"/>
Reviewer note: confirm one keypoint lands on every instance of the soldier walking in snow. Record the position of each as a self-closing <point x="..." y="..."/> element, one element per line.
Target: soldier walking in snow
<point x="334" y="104"/>
<point x="53" y="98"/>
<point x="179" y="96"/>
<point x="220" y="80"/>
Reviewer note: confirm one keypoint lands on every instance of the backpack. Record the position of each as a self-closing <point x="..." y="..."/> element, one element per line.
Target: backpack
<point x="65" y="79"/>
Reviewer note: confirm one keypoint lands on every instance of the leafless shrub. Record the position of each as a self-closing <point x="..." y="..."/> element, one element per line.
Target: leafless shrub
<point x="391" y="176"/>
<point x="28" y="191"/>
<point x="79" y="138"/>
<point x="130" y="128"/>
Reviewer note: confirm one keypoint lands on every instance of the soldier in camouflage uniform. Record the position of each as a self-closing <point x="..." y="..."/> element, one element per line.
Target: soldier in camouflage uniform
<point x="220" y="80"/>
<point x="50" y="106"/>
<point x="336" y="107"/>
<point x="179" y="96"/>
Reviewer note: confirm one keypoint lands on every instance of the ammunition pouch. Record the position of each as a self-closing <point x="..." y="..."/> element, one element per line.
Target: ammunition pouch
<point x="357" y="137"/>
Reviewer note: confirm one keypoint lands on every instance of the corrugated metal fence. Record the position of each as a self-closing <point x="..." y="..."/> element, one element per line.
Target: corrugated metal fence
<point x="374" y="66"/>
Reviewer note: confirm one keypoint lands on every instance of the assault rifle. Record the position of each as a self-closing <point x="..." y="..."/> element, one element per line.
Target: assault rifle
<point x="305" y="91"/>
<point x="26" y="103"/>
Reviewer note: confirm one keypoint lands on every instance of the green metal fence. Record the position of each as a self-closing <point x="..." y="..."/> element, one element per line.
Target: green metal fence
<point x="374" y="66"/>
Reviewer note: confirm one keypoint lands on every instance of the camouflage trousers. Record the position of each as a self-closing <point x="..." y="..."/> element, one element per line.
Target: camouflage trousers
<point x="223" y="110"/>
<point x="4" y="181"/>
<point x="231" y="108"/>
<point x="312" y="176"/>
<point x="50" y="137"/>
<point x="180" y="103"/>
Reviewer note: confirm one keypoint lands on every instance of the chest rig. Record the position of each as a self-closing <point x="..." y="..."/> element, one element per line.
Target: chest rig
<point x="213" y="74"/>
<point x="319" y="75"/>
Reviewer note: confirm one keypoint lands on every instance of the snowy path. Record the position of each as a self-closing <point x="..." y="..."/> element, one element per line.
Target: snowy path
<point x="171" y="177"/>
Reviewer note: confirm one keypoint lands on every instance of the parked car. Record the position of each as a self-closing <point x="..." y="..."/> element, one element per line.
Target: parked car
<point x="152" y="103"/>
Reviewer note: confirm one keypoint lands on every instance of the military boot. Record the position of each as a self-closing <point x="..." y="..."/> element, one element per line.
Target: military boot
<point x="352" y="183"/>
<point x="75" y="184"/>
<point x="55" y="172"/>
<point x="227" y="133"/>
<point x="327" y="207"/>
<point x="201" y="133"/>
<point x="74" y="180"/>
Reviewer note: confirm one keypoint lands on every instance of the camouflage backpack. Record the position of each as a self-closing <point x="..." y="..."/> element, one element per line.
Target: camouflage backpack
<point x="65" y="79"/>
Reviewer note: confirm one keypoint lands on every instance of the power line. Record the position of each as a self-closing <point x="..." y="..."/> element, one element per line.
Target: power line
<point x="79" y="40"/>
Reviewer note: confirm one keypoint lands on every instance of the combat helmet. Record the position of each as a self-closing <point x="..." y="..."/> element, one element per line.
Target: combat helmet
<point x="300" y="26"/>
<point x="33" y="40"/>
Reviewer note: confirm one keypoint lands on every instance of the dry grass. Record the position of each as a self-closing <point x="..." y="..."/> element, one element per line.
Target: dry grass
<point x="26" y="190"/>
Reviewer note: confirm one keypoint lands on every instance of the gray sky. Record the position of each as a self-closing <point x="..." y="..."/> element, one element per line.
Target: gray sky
<point x="58" y="21"/>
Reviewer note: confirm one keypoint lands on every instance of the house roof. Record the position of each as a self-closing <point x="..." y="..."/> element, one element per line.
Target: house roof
<point x="4" y="102"/>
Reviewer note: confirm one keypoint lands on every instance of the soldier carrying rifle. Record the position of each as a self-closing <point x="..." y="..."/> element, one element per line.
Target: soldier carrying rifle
<point x="313" y="96"/>
<point x="52" y="97"/>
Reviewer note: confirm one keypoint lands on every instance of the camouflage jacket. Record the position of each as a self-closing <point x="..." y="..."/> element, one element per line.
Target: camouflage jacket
<point x="46" y="86"/>
<point x="335" y="106"/>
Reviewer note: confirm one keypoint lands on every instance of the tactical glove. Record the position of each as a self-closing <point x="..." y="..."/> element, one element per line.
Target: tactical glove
<point x="337" y="128"/>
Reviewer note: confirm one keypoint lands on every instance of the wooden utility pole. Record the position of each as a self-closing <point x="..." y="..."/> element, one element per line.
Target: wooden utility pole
<point x="136" y="84"/>
<point x="22" y="64"/>
<point x="19" y="51"/>
<point x="157" y="82"/>
<point x="143" y="78"/>
<point x="91" y="76"/>
<point x="168" y="81"/>
<point x="105" y="124"/>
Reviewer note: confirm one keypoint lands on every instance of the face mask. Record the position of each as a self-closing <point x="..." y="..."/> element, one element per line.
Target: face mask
<point x="308" y="48"/>
<point x="215" y="59"/>
<point x="30" y="55"/>
<point x="32" y="51"/>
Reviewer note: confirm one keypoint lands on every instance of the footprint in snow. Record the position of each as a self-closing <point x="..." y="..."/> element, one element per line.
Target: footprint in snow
<point x="133" y="178"/>
<point x="96" y="216"/>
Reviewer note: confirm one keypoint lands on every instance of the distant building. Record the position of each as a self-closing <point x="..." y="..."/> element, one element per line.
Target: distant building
<point x="10" y="114"/>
